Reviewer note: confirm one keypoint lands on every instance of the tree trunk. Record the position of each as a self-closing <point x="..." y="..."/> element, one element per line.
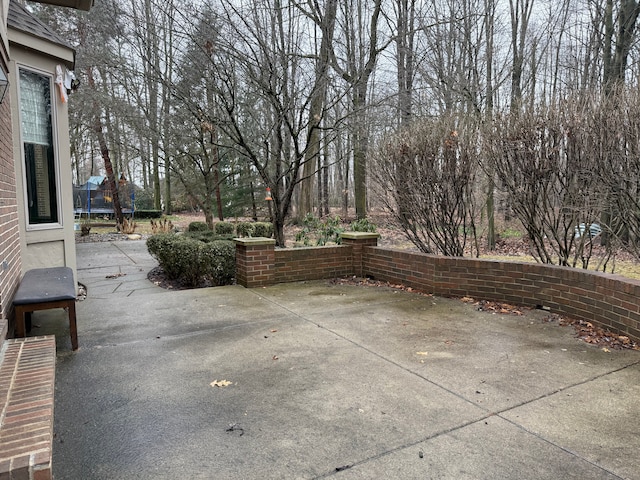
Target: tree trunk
<point x="616" y="53"/>
<point x="104" y="151"/>
<point x="312" y="153"/>
<point x="490" y="9"/>
<point x="360" y="146"/>
<point x="520" y="16"/>
<point x="405" y="58"/>
<point x="325" y="177"/>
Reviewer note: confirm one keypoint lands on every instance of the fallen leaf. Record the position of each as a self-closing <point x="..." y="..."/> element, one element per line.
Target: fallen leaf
<point x="221" y="383"/>
<point x="606" y="350"/>
<point x="115" y="275"/>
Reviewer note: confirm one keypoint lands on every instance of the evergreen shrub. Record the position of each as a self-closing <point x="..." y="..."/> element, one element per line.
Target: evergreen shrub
<point x="138" y="214"/>
<point x="245" y="229"/>
<point x="263" y="229"/>
<point x="363" y="225"/>
<point x="207" y="236"/>
<point x="198" y="227"/>
<point x="193" y="261"/>
<point x="223" y="228"/>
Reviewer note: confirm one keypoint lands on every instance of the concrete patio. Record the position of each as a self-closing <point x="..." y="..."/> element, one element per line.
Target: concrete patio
<point x="327" y="381"/>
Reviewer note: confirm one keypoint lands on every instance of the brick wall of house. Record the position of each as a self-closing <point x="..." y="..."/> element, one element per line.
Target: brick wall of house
<point x="10" y="265"/>
<point x="610" y="301"/>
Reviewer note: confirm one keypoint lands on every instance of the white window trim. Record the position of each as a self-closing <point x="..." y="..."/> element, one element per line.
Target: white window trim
<point x="56" y="153"/>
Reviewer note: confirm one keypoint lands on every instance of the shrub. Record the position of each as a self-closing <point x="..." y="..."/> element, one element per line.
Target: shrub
<point x="363" y="225"/>
<point x="198" y="227"/>
<point x="128" y="226"/>
<point x="223" y="228"/>
<point x="245" y="229"/>
<point x="330" y="231"/>
<point x="207" y="236"/>
<point x="192" y="261"/>
<point x="324" y="231"/>
<point x="263" y="229"/>
<point x="162" y="226"/>
<point x="310" y="224"/>
<point x="147" y="213"/>
<point x="166" y="248"/>
<point x="219" y="261"/>
<point x="156" y="243"/>
<point x="85" y="229"/>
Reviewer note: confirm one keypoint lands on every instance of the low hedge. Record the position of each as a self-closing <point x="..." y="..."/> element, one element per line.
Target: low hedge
<point x="263" y="229"/>
<point x="207" y="236"/>
<point x="223" y="228"/>
<point x="192" y="261"/>
<point x="198" y="227"/>
<point x="245" y="229"/>
<point x="138" y="214"/>
<point x="254" y="229"/>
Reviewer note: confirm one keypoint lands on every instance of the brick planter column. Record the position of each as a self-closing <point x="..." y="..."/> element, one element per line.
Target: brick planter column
<point x="255" y="261"/>
<point x="359" y="240"/>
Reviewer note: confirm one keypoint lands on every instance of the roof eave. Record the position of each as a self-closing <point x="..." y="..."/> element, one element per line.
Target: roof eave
<point x="61" y="53"/>
<point x="76" y="4"/>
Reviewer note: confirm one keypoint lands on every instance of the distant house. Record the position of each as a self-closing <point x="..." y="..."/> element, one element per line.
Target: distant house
<point x="36" y="201"/>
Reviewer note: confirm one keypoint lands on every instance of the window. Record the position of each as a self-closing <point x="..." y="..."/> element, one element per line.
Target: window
<point x="37" y="138"/>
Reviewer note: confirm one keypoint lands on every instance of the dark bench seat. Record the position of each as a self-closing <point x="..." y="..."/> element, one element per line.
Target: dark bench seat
<point x="27" y="379"/>
<point x="42" y="289"/>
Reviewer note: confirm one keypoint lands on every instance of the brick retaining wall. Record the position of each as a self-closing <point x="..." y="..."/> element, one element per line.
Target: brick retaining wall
<point x="298" y="264"/>
<point x="610" y="301"/>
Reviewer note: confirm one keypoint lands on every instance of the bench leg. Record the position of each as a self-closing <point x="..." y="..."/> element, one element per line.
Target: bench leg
<point x="73" y="327"/>
<point x="20" y="326"/>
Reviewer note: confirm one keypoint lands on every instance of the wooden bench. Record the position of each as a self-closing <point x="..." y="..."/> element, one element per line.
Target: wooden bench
<point x="42" y="289"/>
<point x="27" y="380"/>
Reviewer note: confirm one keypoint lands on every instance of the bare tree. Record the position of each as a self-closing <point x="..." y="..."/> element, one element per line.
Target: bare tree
<point x="325" y="21"/>
<point x="263" y="90"/>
